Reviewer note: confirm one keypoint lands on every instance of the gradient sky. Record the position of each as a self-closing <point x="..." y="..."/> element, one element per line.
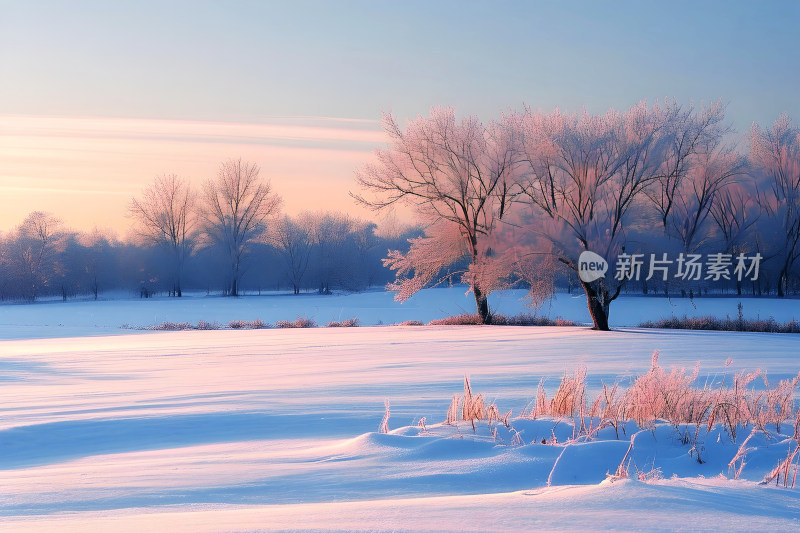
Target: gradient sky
<point x="98" y="97"/>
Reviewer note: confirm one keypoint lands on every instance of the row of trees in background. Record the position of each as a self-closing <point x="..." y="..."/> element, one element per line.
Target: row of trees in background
<point x="506" y="201"/>
<point x="320" y="251"/>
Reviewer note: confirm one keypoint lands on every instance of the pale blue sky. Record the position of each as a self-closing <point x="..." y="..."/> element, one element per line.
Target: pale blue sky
<point x="248" y="61"/>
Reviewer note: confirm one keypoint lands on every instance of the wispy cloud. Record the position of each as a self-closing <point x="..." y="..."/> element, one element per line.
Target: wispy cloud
<point x="310" y="160"/>
<point x="280" y="129"/>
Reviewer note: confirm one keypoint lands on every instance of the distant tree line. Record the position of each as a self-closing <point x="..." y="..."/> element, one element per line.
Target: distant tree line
<point x="229" y="238"/>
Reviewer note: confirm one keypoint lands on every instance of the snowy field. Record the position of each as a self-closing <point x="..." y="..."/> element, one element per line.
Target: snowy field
<point x="102" y="429"/>
<point x="103" y="317"/>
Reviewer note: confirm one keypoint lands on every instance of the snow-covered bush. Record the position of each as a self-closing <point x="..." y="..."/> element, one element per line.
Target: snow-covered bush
<point x="349" y="323"/>
<point x="769" y="325"/>
<point x="500" y="320"/>
<point x="458" y="320"/>
<point x="301" y="322"/>
<point x="411" y="323"/>
<point x="248" y="324"/>
<point x="170" y="326"/>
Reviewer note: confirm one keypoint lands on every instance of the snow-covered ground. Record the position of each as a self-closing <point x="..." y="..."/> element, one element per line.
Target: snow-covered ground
<point x="103" y="317"/>
<point x="278" y="429"/>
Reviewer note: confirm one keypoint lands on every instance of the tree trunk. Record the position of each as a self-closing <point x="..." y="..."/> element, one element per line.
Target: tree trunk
<point x="482" y="304"/>
<point x="599" y="305"/>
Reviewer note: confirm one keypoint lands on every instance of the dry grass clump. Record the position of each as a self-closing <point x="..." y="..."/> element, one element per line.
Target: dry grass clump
<point x="500" y="320"/>
<point x="411" y="323"/>
<point x="784" y="467"/>
<point x="301" y="322"/>
<point x="248" y="324"/>
<point x="712" y="323"/>
<point x="204" y="325"/>
<point x="458" y="320"/>
<point x="657" y="396"/>
<point x="529" y="320"/>
<point x="654" y="397"/>
<point x="384" y="427"/>
<point x="170" y="326"/>
<point x="474" y="408"/>
<point x="349" y="323"/>
<point x="671" y="396"/>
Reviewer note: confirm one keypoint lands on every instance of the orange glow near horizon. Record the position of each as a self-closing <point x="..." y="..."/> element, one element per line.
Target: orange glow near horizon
<point x="86" y="170"/>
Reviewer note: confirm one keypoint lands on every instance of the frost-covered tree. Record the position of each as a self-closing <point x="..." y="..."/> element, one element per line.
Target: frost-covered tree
<point x="366" y="243"/>
<point x="164" y="215"/>
<point x="775" y="153"/>
<point x="735" y="212"/>
<point x="329" y="232"/>
<point x="97" y="261"/>
<point x="458" y="176"/>
<point x="292" y="238"/>
<point x="690" y="220"/>
<point x="697" y="168"/>
<point x="31" y="253"/>
<point x="235" y="209"/>
<point x="587" y="175"/>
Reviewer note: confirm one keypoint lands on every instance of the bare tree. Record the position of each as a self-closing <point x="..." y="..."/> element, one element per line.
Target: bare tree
<point x="236" y="206"/>
<point x="587" y="175"/>
<point x="32" y="252"/>
<point x="458" y="176"/>
<point x="329" y="233"/>
<point x="292" y="238"/>
<point x="165" y="217"/>
<point x="97" y="259"/>
<point x="735" y="212"/>
<point x="687" y="136"/>
<point x="685" y="207"/>
<point x="366" y="242"/>
<point x="776" y="154"/>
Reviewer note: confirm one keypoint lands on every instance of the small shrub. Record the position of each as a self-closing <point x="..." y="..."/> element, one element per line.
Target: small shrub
<point x="204" y="325"/>
<point x="349" y="323"/>
<point x="458" y="320"/>
<point x="248" y="324"/>
<point x="472" y="408"/>
<point x="500" y="320"/>
<point x="570" y="397"/>
<point x="529" y="320"/>
<point x="170" y="326"/>
<point x="411" y="323"/>
<point x="711" y="323"/>
<point x="258" y="324"/>
<point x="301" y="322"/>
